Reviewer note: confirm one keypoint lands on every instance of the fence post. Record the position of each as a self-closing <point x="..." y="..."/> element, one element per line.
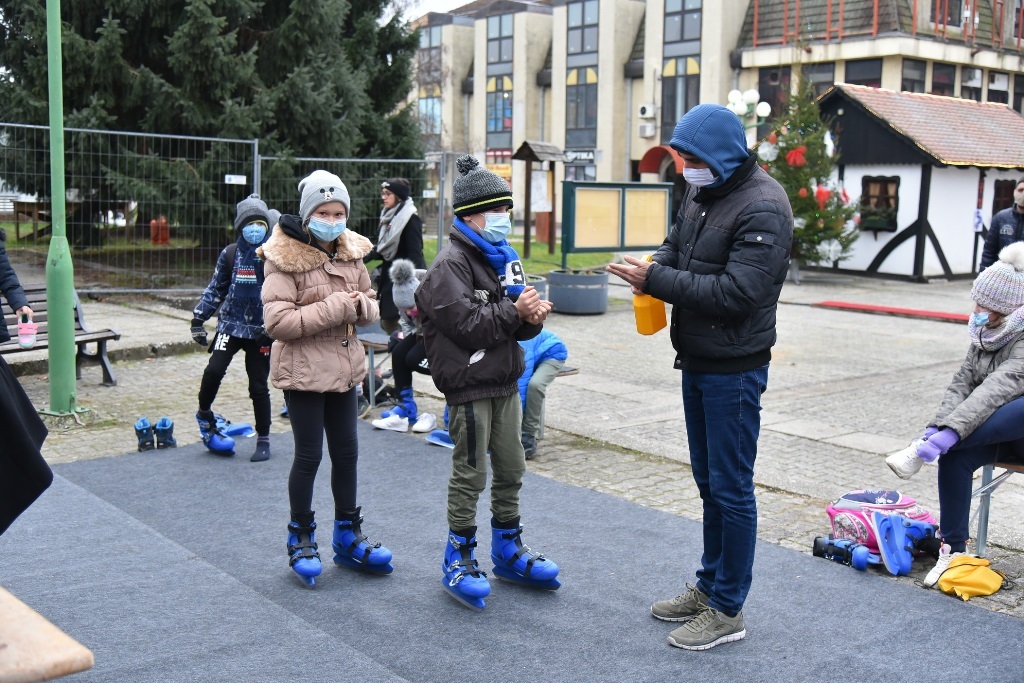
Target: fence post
<point x="60" y="272"/>
<point x="256" y="164"/>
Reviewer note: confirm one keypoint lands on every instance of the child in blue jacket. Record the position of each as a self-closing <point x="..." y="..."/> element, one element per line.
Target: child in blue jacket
<point x="545" y="356"/>
<point x="234" y="295"/>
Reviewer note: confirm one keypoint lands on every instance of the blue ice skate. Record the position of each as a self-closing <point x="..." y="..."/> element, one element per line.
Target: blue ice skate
<point x="233" y="429"/>
<point x="463" y="578"/>
<point x="216" y="441"/>
<point x="898" y="540"/>
<point x="352" y="548"/>
<point x="515" y="562"/>
<point x="440" y="437"/>
<point x="303" y="557"/>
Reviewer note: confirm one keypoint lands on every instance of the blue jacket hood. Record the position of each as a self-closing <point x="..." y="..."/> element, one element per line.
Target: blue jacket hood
<point x="714" y="135"/>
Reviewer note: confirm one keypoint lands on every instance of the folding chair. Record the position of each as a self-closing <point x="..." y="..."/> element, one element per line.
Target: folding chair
<point x="984" y="495"/>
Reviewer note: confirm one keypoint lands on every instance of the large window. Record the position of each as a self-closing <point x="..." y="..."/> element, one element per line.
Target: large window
<point x="998" y="87"/>
<point x="586" y="173"/>
<point x="1002" y="196"/>
<point x="948" y="12"/>
<point x="499" y="39"/>
<point x="428" y="57"/>
<point x="682" y="20"/>
<point x="582" y="35"/>
<point x="499" y="104"/>
<point x="864" y="72"/>
<point x="821" y="76"/>
<point x="970" y="86"/>
<point x="773" y="84"/>
<point x="943" y="79"/>
<point x="430" y="109"/>
<point x="680" y="92"/>
<point x="879" y="203"/>
<point x="913" y="75"/>
<point x="581" y="108"/>
<point x="1018" y="93"/>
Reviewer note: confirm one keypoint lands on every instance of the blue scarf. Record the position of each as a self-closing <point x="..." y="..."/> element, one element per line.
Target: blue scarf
<point x="502" y="258"/>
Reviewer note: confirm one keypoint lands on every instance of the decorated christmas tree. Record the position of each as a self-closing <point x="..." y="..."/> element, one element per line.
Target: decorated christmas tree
<point x="801" y="155"/>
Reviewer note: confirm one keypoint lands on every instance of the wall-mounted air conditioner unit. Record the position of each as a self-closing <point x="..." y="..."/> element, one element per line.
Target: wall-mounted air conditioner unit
<point x="647" y="130"/>
<point x="646" y="111"/>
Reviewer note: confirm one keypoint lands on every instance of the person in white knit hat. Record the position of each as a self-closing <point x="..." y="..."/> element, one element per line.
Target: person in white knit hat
<point x="982" y="412"/>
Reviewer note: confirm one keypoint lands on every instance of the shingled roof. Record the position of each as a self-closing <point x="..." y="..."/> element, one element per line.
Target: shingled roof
<point x="950" y="130"/>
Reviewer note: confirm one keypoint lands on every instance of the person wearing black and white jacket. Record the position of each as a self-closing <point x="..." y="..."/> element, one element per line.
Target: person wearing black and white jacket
<point x="400" y="237"/>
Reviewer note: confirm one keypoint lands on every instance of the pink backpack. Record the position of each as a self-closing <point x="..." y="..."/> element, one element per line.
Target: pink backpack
<point x="851" y="514"/>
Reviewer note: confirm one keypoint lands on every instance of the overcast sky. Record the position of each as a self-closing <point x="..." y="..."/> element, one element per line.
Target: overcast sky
<point x="417" y="8"/>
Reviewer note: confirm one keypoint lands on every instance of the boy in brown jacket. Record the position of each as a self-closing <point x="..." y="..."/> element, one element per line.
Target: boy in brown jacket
<point x="474" y="307"/>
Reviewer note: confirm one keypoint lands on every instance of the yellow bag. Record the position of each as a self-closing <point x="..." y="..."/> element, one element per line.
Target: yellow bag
<point x="969" y="576"/>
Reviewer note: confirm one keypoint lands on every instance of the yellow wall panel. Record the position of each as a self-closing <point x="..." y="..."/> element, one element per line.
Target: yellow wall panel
<point x="597" y="217"/>
<point x="646" y="217"/>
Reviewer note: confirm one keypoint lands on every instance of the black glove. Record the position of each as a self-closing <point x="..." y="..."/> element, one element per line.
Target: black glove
<point x="199" y="332"/>
<point x="264" y="339"/>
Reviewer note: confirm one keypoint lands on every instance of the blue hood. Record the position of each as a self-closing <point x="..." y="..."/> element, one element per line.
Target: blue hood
<point x="714" y="135"/>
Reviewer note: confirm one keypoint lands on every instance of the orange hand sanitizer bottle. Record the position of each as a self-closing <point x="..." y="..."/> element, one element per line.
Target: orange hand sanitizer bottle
<point x="650" y="312"/>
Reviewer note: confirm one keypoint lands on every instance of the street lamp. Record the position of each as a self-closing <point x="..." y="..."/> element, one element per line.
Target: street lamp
<point x="748" y="107"/>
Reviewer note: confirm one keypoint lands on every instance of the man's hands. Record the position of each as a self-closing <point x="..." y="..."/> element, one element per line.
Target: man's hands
<point x="531" y="308"/>
<point x="199" y="332"/>
<point x="633" y="271"/>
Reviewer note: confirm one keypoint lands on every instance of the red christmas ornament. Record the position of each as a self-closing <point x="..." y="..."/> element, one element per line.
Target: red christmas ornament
<point x="846" y="197"/>
<point x="773" y="138"/>
<point x="797" y="157"/>
<point x="822" y="194"/>
<point x="803" y="193"/>
<point x="764" y="166"/>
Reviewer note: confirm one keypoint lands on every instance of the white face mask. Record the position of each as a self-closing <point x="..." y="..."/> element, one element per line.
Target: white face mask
<point x="700" y="177"/>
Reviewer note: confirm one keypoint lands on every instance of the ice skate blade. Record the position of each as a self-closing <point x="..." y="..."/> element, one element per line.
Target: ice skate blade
<point x="308" y="581"/>
<point x="223" y="454"/>
<point x="347" y="561"/>
<point x="472" y="603"/>
<point x="508" y="575"/>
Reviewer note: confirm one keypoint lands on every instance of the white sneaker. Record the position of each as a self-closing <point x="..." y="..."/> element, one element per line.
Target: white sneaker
<point x="426" y="423"/>
<point x="942" y="565"/>
<point x="905" y="463"/>
<point x="393" y="423"/>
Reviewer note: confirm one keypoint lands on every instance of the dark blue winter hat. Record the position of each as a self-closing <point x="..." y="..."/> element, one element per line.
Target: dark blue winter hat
<point x="714" y="135"/>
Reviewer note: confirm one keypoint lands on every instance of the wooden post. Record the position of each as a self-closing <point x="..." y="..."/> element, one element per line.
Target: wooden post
<point x="526" y="211"/>
<point x="554" y="213"/>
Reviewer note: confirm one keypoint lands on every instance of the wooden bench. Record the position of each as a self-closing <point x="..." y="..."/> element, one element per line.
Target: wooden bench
<point x="36" y="294"/>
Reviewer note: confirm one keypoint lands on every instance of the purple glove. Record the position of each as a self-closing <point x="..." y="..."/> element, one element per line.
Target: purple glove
<point x="937" y="444"/>
<point x="928" y="432"/>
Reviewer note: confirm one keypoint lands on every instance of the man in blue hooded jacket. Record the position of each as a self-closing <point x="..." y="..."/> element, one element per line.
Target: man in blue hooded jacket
<point x="722" y="268"/>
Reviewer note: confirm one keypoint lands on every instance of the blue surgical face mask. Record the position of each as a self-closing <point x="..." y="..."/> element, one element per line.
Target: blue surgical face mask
<point x="326" y="231"/>
<point x="497" y="226"/>
<point x="981" y="319"/>
<point x="255" y="232"/>
<point x="699" y="177"/>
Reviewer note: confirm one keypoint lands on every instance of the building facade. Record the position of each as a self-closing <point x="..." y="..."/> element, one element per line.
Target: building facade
<point x="606" y="80"/>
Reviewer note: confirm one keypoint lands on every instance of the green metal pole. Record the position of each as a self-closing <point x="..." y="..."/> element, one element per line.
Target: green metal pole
<point x="60" y="273"/>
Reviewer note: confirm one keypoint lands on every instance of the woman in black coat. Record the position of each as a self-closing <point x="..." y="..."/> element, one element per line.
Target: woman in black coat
<point x="400" y="237"/>
<point x="24" y="475"/>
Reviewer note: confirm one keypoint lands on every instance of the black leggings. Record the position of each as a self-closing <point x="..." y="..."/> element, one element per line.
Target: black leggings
<point x="257" y="367"/>
<point x="407" y="356"/>
<point x="313" y="413"/>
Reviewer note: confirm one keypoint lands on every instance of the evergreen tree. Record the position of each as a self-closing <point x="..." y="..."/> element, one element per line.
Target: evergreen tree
<point x="317" y="79"/>
<point x="800" y="158"/>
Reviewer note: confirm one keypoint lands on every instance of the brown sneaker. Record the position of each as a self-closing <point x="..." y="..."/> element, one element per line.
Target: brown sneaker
<point x="708" y="629"/>
<point x="682" y="607"/>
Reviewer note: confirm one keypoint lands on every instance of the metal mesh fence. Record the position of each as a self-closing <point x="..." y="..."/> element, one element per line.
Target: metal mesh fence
<point x="143" y="211"/>
<point x="149" y="211"/>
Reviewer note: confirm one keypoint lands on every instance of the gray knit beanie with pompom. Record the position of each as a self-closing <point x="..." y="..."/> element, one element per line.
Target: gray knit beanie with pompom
<point x="476" y="189"/>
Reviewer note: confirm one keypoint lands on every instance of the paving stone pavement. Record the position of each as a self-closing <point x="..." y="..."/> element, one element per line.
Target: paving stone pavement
<point x="844" y="390"/>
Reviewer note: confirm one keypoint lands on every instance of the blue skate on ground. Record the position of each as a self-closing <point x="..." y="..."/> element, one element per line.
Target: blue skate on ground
<point x="144" y="432"/>
<point x="515" y="562"/>
<point x="303" y="557"/>
<point x="164" y="430"/>
<point x="463" y="578"/>
<point x="899" y="538"/>
<point x="352" y="548"/>
<point x="440" y="437"/>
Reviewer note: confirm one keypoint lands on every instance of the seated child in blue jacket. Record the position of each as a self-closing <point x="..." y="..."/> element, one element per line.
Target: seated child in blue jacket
<point x="545" y="356"/>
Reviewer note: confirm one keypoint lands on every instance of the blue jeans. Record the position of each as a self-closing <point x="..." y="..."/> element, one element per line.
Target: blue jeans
<point x="1000" y="437"/>
<point x="723" y="420"/>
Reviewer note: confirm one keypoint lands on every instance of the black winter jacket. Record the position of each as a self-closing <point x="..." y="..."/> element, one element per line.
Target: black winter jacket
<point x="1007" y="227"/>
<point x="722" y="268"/>
<point x="9" y="285"/>
<point x="470" y="331"/>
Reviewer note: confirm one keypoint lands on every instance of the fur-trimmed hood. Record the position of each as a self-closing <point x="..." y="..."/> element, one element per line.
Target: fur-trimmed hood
<point x="291" y="255"/>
